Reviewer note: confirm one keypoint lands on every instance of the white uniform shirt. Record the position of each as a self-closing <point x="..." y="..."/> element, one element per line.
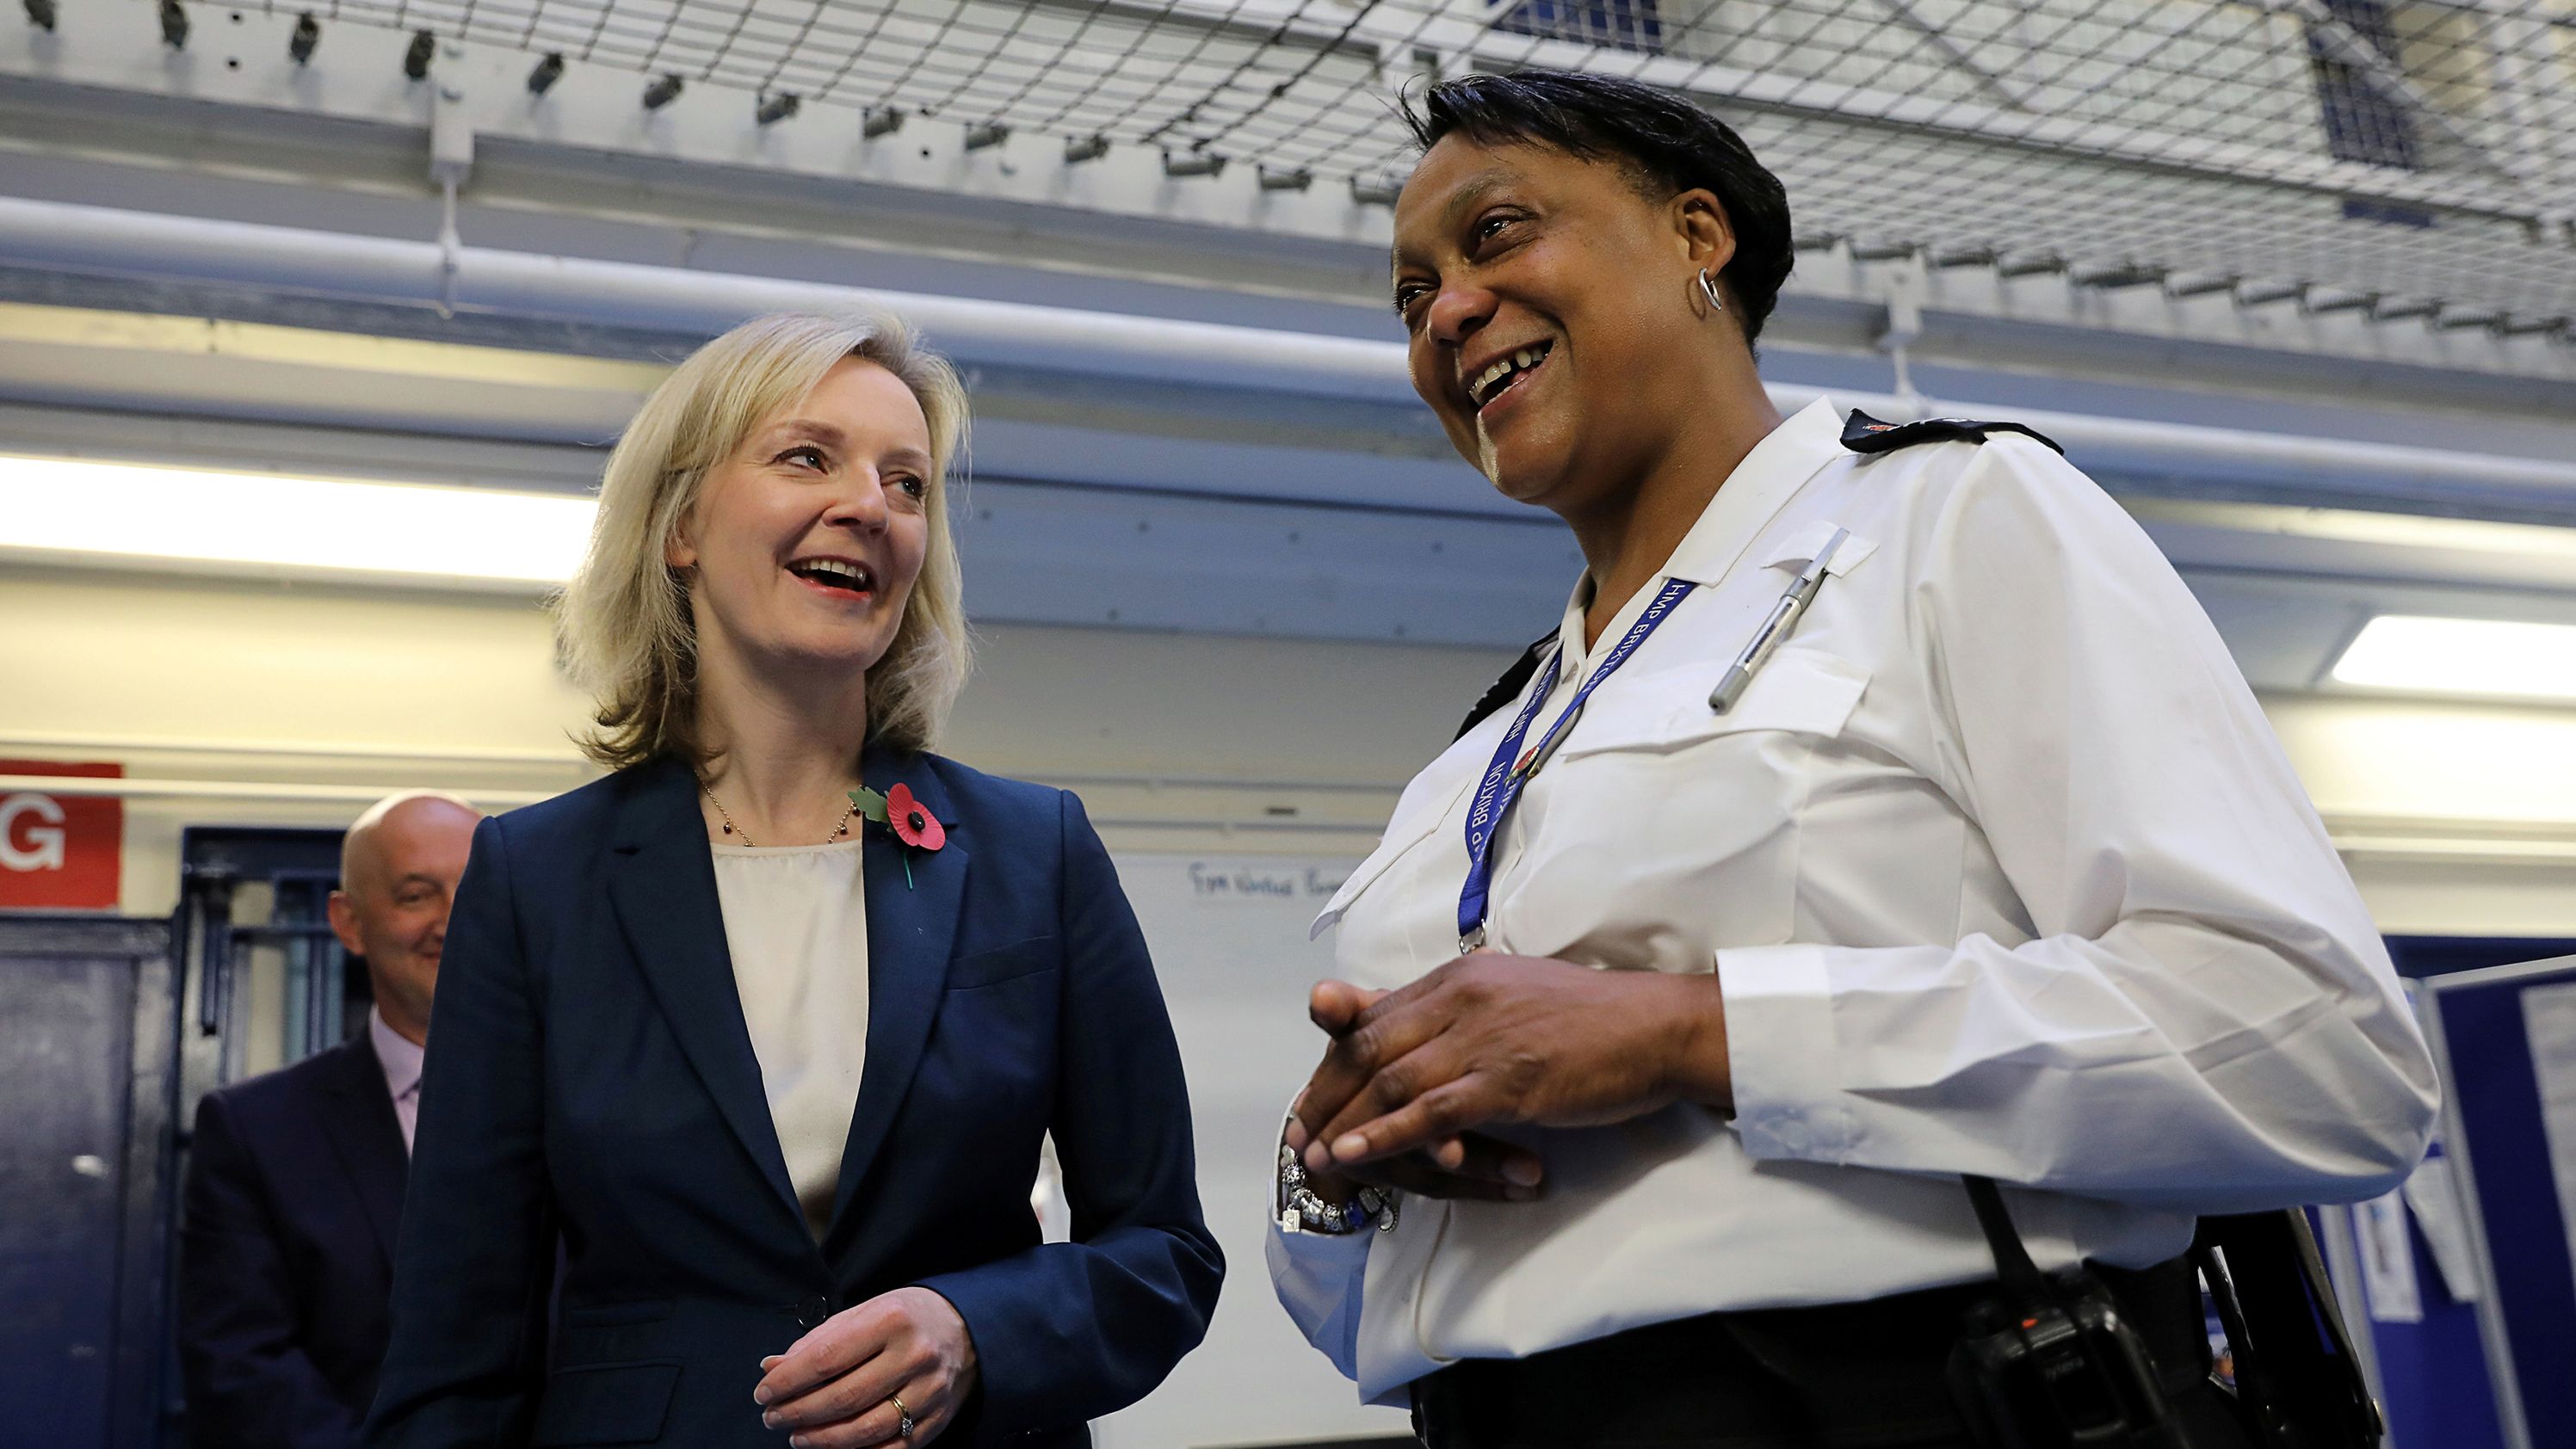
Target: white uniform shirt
<point x="796" y="924"/>
<point x="2002" y="872"/>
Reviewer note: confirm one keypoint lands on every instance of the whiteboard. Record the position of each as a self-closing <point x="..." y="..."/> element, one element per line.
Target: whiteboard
<point x="1229" y="940"/>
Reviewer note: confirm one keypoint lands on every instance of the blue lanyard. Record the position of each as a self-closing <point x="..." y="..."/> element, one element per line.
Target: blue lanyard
<point x="1501" y="786"/>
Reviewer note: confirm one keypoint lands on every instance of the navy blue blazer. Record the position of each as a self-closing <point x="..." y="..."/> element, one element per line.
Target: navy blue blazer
<point x="589" y="1075"/>
<point x="294" y="1193"/>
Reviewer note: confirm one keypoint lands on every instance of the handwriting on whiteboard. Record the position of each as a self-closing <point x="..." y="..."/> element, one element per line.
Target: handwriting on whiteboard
<point x="1217" y="880"/>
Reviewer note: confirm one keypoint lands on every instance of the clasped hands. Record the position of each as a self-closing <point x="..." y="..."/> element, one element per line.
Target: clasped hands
<point x="836" y="1387"/>
<point x="1408" y="1080"/>
<point x="1412" y="1075"/>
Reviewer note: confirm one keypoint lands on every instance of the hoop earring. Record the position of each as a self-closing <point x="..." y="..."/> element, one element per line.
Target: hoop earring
<point x="1708" y="289"/>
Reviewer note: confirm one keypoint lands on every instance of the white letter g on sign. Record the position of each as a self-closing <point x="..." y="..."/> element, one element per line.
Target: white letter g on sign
<point x="44" y="847"/>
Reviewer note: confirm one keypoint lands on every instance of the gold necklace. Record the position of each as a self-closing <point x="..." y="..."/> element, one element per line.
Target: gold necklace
<point x="838" y="830"/>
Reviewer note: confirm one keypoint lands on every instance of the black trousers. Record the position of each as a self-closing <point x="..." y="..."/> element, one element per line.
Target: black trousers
<point x="1845" y="1376"/>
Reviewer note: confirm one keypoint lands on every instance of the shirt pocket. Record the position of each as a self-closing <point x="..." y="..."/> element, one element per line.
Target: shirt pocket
<point x="1666" y="830"/>
<point x="1801" y="691"/>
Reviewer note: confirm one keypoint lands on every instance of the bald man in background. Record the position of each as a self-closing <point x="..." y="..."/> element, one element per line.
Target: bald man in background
<point x="295" y="1180"/>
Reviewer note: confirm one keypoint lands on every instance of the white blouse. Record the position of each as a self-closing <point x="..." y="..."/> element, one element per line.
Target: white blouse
<point x="796" y="922"/>
<point x="2001" y="870"/>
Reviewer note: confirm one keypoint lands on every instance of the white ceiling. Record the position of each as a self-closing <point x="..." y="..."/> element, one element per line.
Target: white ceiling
<point x="1228" y="503"/>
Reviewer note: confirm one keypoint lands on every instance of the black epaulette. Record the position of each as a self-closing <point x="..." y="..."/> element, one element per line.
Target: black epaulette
<point x="1866" y="434"/>
<point x="1508" y="688"/>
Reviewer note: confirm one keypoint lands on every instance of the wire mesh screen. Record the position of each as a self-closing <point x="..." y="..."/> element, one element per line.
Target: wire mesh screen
<point x="2402" y="158"/>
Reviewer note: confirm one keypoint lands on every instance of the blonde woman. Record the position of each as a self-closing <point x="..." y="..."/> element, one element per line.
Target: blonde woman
<point x="764" y="1029"/>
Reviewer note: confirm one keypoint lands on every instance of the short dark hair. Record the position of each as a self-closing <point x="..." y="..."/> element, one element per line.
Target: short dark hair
<point x="1667" y="144"/>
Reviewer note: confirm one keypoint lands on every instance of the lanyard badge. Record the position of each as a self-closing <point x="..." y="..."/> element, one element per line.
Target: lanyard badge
<point x="1500" y="787"/>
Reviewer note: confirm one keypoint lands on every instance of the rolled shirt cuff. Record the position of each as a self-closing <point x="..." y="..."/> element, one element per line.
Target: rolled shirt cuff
<point x="1781" y="1055"/>
<point x="1320" y="1278"/>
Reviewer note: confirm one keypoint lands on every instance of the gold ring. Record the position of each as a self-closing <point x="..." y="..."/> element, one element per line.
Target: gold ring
<point x="903" y="1416"/>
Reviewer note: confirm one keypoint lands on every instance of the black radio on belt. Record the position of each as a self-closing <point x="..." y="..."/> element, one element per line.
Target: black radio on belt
<point x="2047" y="1362"/>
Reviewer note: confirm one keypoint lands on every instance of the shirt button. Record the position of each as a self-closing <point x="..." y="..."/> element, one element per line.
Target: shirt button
<point x="1793" y="1134"/>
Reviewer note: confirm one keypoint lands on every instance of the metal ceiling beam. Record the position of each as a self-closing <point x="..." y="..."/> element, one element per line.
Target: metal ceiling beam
<point x="1129" y="237"/>
<point x="2350" y="47"/>
<point x="1793" y="95"/>
<point x="1986" y="78"/>
<point x="1074" y="343"/>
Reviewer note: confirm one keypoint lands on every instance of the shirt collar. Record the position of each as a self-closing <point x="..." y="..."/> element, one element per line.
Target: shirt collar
<point x="396" y="1053"/>
<point x="1745" y="504"/>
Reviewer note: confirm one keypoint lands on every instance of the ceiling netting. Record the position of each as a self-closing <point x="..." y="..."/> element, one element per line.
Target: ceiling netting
<point x="2390" y="158"/>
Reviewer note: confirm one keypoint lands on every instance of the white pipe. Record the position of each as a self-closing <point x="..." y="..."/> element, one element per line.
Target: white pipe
<point x="2139" y="446"/>
<point x="119" y="744"/>
<point x="2502" y="850"/>
<point x="90" y="239"/>
<point x="93" y="239"/>
<point x="2499" y="850"/>
<point x="2243" y="455"/>
<point x="122" y="744"/>
<point x="115" y="788"/>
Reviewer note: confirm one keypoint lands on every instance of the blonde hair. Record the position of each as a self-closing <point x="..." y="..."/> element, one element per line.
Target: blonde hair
<point x="624" y="623"/>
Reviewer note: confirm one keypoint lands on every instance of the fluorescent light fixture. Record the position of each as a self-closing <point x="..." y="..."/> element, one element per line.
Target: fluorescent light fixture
<point x="62" y="510"/>
<point x="2462" y="656"/>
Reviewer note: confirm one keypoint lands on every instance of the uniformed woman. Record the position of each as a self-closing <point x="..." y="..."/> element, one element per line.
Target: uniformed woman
<point x="1883" y="811"/>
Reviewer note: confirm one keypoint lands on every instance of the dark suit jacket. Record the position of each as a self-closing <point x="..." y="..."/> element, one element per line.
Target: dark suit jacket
<point x="294" y="1191"/>
<point x="591" y="1073"/>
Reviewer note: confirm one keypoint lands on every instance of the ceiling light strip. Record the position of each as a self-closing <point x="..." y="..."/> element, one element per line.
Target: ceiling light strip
<point x="2491" y="658"/>
<point x="83" y="511"/>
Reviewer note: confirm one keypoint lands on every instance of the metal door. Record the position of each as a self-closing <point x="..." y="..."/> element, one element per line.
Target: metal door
<point x="88" y="1046"/>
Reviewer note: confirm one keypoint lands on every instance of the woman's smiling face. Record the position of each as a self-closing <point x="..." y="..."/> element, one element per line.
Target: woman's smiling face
<point x="1542" y="294"/>
<point x="805" y="543"/>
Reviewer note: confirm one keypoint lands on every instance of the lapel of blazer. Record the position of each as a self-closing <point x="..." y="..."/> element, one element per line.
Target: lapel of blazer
<point x="662" y="884"/>
<point x="911" y="927"/>
<point x="358" y="1116"/>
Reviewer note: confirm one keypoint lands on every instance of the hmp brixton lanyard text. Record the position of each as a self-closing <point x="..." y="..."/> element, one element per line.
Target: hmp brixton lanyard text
<point x="1501" y="786"/>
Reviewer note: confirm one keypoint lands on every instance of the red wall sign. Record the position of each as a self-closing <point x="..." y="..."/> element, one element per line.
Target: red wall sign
<point x="63" y="851"/>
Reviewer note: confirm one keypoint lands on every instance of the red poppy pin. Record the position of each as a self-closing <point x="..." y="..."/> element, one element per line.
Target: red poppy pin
<point x="906" y="818"/>
<point x="912" y="822"/>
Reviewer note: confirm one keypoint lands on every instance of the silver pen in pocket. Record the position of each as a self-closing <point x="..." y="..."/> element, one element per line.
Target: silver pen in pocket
<point x="1784" y="617"/>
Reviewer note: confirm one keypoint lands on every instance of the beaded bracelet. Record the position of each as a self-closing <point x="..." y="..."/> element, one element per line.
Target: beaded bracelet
<point x="1302" y="1211"/>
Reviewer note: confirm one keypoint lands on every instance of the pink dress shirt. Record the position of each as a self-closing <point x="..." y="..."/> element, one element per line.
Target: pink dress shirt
<point x="401" y="1059"/>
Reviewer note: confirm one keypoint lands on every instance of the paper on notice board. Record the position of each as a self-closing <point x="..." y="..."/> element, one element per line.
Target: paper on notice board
<point x="2435" y="1196"/>
<point x="2387" y="1260"/>
<point x="2549" y="1020"/>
